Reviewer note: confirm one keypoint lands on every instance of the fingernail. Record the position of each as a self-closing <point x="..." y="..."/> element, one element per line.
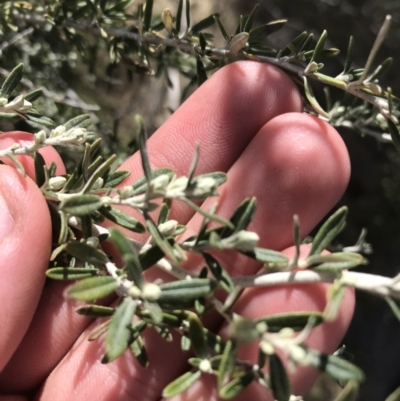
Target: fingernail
<point x="6" y="219"/>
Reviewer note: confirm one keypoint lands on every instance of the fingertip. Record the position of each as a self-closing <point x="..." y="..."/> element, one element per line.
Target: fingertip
<point x="25" y="244"/>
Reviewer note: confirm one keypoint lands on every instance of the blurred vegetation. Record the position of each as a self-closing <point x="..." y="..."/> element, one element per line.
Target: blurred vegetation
<point x="112" y="94"/>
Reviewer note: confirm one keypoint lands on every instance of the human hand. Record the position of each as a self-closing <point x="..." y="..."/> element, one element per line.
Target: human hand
<point x="248" y="121"/>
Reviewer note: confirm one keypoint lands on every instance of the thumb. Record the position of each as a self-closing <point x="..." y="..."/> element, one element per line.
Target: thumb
<point x="25" y="245"/>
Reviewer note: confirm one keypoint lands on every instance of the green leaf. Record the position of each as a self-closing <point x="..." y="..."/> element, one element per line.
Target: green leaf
<point x="139" y="350"/>
<point x="119" y="333"/>
<point x="148" y="12"/>
<point x="99" y="173"/>
<point x="129" y="255"/>
<point x="122" y="219"/>
<point x="244" y="330"/>
<point x="99" y="330"/>
<point x="336" y="367"/>
<point x="86" y="253"/>
<point x="81" y="205"/>
<point x="185" y="343"/>
<point x="227" y="363"/>
<point x="34" y="95"/>
<point x="349" y="393"/>
<point x="168" y="320"/>
<point x="395" y="396"/>
<point x="82" y="121"/>
<point x="295" y="320"/>
<point x="319" y="47"/>
<point x="115" y="178"/>
<point x="197" y="336"/>
<point x="163" y="213"/>
<point x="71" y="273"/>
<point x="219" y="273"/>
<point x="201" y="72"/>
<point x="188" y="14"/>
<point x="221" y="27"/>
<point x="313" y="101"/>
<point x="236" y="386"/>
<point x="349" y="55"/>
<point x="204" y="24"/>
<point x="394" y="307"/>
<point x="95" y="310"/>
<point x="329" y="230"/>
<point x="179" y="16"/>
<point x="203" y="42"/>
<point x="381" y="69"/>
<point x="394" y="133"/>
<point x="241" y="217"/>
<point x="90" y="289"/>
<point x="12" y="81"/>
<point x="181" y="384"/>
<point x="39" y="119"/>
<point x="250" y="19"/>
<point x="186" y="290"/>
<point x="40" y="165"/>
<point x="280" y="383"/>
<point x="150" y="257"/>
<point x="334" y="297"/>
<point x="269" y="257"/>
<point x="238" y="42"/>
<point x="335" y="261"/>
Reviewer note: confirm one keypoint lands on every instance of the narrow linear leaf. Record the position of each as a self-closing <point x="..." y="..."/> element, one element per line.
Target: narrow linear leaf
<point x="394" y="133"/>
<point x="236" y="386"/>
<point x="349" y="393"/>
<point x="71" y="273"/>
<point x="86" y="253"/>
<point x="238" y="42"/>
<point x="40" y="165"/>
<point x="335" y="261"/>
<point x="140" y="186"/>
<point x="250" y="19"/>
<point x="313" y="101"/>
<point x="219" y="273"/>
<point x="295" y="320"/>
<point x="139" y="350"/>
<point x="197" y="336"/>
<point x="179" y="16"/>
<point x="201" y="72"/>
<point x="221" y="27"/>
<point x="241" y="217"/>
<point x="349" y="56"/>
<point x="269" y="257"/>
<point x="163" y="213"/>
<point x="82" y="121"/>
<point x="203" y="42"/>
<point x="181" y="384"/>
<point x="394" y="307"/>
<point x="204" y="24"/>
<point x="39" y="119"/>
<point x="81" y="205"/>
<point x="395" y="396"/>
<point x="319" y="47"/>
<point x="280" y="383"/>
<point x="329" y="230"/>
<point x="186" y="289"/>
<point x="141" y="141"/>
<point x="99" y="173"/>
<point x="122" y="219"/>
<point x="119" y="332"/>
<point x="148" y="12"/>
<point x="129" y="255"/>
<point x="150" y="257"/>
<point x="187" y="13"/>
<point x="115" y="178"/>
<point x="34" y="95"/>
<point x="99" y="330"/>
<point x="336" y="367"/>
<point x="227" y="363"/>
<point x="12" y="81"/>
<point x="95" y="310"/>
<point x="90" y="289"/>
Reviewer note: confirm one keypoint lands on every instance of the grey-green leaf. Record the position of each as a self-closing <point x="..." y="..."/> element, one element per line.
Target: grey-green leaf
<point x="12" y="81"/>
<point x="81" y="205"/>
<point x="71" y="273"/>
<point x="269" y="257"/>
<point x="219" y="273"/>
<point x="280" y="383"/>
<point x="181" y="384"/>
<point x="329" y="230"/>
<point x="227" y="363"/>
<point x="90" y="289"/>
<point x="335" y="261"/>
<point x="95" y="310"/>
<point x="236" y="386"/>
<point x="119" y="332"/>
<point x="86" y="253"/>
<point x="197" y="336"/>
<point x="295" y="320"/>
<point x="122" y="219"/>
<point x="115" y="178"/>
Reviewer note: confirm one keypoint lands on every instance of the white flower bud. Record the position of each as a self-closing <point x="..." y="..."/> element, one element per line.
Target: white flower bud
<point x="40" y="138"/>
<point x="93" y="241"/>
<point x="204" y="187"/>
<point x="135" y="292"/>
<point x="58" y="131"/>
<point x="267" y="348"/>
<point x="3" y="101"/>
<point x="56" y="183"/>
<point x="168" y="228"/>
<point x="98" y="184"/>
<point x="298" y="354"/>
<point x="159" y="184"/>
<point x="151" y="292"/>
<point x="177" y="187"/>
<point x="106" y="200"/>
<point x="126" y="192"/>
<point x="242" y="241"/>
<point x="205" y="366"/>
<point x="287" y="332"/>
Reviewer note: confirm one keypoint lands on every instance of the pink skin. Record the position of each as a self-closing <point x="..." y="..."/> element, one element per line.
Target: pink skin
<point x="247" y="119"/>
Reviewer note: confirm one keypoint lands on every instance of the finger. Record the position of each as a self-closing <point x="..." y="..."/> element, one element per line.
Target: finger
<point x="25" y="139"/>
<point x="294" y="190"/>
<point x="25" y="236"/>
<point x="224" y="114"/>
